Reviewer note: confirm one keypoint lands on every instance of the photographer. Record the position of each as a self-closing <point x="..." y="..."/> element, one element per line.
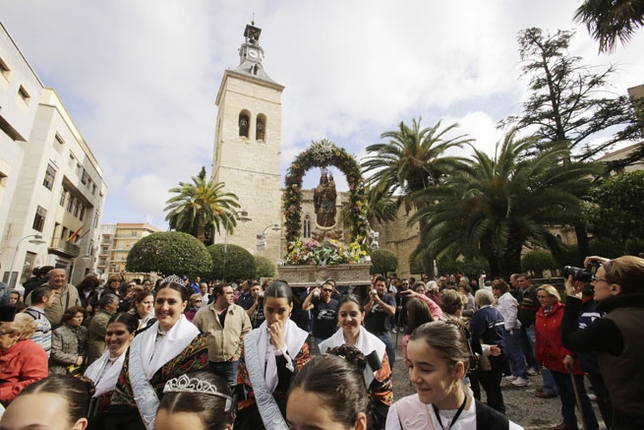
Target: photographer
<point x="619" y="291"/>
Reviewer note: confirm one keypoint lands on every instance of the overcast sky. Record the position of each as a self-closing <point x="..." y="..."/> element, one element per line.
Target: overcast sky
<point x="140" y="78"/>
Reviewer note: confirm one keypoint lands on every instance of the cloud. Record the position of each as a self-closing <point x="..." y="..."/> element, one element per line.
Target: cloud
<point x="140" y="78"/>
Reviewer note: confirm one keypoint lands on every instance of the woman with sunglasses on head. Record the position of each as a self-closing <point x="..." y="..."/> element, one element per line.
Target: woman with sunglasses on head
<point x="617" y="337"/>
<point x="271" y="356"/>
<point x="377" y="373"/>
<point x="168" y="348"/>
<point x="194" y="303"/>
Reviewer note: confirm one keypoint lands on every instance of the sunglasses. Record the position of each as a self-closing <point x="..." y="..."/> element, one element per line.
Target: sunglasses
<point x="327" y="290"/>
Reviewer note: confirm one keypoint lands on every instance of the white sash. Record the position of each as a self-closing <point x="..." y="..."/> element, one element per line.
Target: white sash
<point x="366" y="343"/>
<point x="145" y="397"/>
<point x="147" y="356"/>
<point x="255" y="354"/>
<point x="105" y="380"/>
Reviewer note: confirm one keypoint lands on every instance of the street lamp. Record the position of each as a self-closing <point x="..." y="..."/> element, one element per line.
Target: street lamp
<point x="242" y="216"/>
<point x="261" y="237"/>
<point x="37" y="239"/>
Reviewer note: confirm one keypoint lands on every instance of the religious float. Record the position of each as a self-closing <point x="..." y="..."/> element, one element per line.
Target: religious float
<point x="308" y="262"/>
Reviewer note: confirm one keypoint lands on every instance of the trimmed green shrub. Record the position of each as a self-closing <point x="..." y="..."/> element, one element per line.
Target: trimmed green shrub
<point x="237" y="263"/>
<point x="538" y="261"/>
<point x="169" y="252"/>
<point x="383" y="261"/>
<point x="265" y="267"/>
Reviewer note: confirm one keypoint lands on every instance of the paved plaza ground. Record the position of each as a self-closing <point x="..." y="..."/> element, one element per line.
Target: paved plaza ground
<point x="522" y="406"/>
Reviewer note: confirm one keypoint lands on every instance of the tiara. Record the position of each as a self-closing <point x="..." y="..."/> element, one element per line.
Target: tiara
<point x="173" y="278"/>
<point x="184" y="384"/>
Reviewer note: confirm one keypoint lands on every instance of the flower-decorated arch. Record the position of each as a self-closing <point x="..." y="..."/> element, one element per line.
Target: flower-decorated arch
<point x="321" y="154"/>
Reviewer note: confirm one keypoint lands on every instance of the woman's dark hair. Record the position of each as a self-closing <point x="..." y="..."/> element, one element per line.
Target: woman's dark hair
<point x="71" y="313"/>
<point x="351" y="298"/>
<point x="279" y="289"/>
<point x="339" y="381"/>
<point x="215" y="412"/>
<point x="140" y="296"/>
<point x="131" y="322"/>
<point x="179" y="288"/>
<point x="76" y="391"/>
<point x="88" y="281"/>
<point x="501" y="285"/>
<point x="417" y="314"/>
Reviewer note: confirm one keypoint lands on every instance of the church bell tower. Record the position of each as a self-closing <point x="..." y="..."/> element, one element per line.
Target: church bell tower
<point x="247" y="146"/>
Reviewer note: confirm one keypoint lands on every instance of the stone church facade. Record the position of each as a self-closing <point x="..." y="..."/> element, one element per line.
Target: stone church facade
<point x="246" y="157"/>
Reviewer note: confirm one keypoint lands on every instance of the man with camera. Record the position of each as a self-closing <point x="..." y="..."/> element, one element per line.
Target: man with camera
<point x="380" y="309"/>
<point x="324" y="310"/>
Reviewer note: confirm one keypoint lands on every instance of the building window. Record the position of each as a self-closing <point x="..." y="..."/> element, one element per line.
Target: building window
<point x="260" y="130"/>
<point x="24" y="95"/>
<point x="85" y="177"/>
<point x="306" y="227"/>
<point x="76" y="207"/>
<point x="70" y="203"/>
<point x="81" y="215"/>
<point x="59" y="139"/>
<point x="4" y="69"/>
<point x="50" y="175"/>
<point x="3" y="179"/>
<point x="39" y="219"/>
<point x="63" y="195"/>
<point x="244" y="123"/>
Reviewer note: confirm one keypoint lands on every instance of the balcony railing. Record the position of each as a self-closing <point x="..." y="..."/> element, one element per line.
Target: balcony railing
<point x="62" y="247"/>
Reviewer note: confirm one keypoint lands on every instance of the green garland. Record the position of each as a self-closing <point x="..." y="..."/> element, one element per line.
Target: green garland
<point x="321" y="154"/>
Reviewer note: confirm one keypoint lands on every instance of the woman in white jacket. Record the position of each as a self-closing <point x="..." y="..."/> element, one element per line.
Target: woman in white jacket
<point x="508" y="306"/>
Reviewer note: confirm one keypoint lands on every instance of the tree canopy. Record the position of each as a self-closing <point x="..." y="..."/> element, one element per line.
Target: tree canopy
<point x="169" y="252"/>
<point x="610" y="20"/>
<point x="494" y="206"/>
<point x="201" y="207"/>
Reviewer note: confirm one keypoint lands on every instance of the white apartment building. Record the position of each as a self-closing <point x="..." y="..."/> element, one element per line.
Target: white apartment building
<point x="51" y="186"/>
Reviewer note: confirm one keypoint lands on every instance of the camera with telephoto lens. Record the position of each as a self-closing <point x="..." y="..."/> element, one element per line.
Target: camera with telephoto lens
<point x="584" y="274"/>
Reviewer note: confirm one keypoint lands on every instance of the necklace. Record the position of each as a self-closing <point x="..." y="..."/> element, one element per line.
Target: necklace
<point x="458" y="414"/>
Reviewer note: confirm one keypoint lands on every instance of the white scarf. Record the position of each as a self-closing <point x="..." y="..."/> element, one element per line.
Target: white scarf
<point x="172" y="344"/>
<point x="294" y="337"/>
<point x="366" y="343"/>
<point x="105" y="379"/>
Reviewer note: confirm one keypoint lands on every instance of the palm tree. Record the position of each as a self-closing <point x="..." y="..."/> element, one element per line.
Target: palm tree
<point x="200" y="206"/>
<point x="609" y="20"/>
<point x="412" y="160"/>
<point x="493" y="207"/>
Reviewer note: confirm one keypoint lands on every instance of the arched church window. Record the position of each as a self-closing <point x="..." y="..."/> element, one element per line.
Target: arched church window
<point x="306" y="227"/>
<point x="260" y="130"/>
<point x="244" y="123"/>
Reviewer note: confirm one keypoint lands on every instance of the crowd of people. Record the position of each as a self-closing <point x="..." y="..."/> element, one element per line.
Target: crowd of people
<point x="184" y="353"/>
